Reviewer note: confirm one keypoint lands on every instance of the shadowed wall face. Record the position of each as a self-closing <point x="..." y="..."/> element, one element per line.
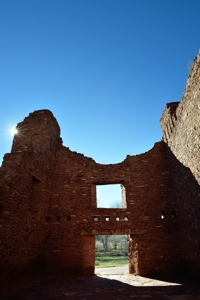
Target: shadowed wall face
<point x="180" y="123"/>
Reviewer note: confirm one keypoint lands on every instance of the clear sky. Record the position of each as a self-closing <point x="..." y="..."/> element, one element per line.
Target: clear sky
<point x="105" y="68"/>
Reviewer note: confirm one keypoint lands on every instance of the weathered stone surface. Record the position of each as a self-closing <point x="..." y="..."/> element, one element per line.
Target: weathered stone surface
<point x="180" y="123"/>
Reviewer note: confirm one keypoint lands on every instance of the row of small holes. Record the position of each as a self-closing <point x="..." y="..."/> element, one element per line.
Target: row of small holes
<point x="163" y="214"/>
<point x="107" y="219"/>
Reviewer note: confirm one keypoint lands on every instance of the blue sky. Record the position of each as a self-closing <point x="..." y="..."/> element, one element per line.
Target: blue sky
<point x="105" y="68"/>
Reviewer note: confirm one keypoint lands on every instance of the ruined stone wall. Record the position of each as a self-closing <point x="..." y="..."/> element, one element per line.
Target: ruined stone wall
<point x="73" y="213"/>
<point x="24" y="194"/>
<point x="49" y="210"/>
<point x="180" y="123"/>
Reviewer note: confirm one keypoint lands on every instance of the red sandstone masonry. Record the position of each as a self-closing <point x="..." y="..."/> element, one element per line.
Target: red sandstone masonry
<point x="146" y="182"/>
<point x="48" y="198"/>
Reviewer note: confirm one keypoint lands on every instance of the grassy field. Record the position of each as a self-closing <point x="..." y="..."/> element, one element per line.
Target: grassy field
<point x="111" y="261"/>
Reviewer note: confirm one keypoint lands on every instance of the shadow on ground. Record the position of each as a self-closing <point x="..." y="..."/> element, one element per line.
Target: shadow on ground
<point x="102" y="287"/>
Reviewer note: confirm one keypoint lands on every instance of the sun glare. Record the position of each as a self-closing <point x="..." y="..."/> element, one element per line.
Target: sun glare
<point x="14" y="130"/>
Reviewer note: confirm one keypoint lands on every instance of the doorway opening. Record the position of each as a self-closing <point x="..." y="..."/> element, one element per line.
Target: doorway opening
<point x="111" y="251"/>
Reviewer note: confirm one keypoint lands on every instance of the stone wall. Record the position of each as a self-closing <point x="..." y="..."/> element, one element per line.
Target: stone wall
<point x="25" y="183"/>
<point x="49" y="215"/>
<point x="186" y="190"/>
<point x="73" y="203"/>
<point x="180" y="123"/>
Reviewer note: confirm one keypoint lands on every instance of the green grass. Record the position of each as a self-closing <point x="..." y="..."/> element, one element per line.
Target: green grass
<point x="111" y="261"/>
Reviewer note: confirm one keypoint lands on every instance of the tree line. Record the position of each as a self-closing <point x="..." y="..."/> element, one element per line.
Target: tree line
<point x="111" y="245"/>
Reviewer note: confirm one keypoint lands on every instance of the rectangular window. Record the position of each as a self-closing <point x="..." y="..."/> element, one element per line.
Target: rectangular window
<point x="111" y="196"/>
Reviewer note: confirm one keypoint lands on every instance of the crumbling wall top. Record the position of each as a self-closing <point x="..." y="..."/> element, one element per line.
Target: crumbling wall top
<point x="40" y="130"/>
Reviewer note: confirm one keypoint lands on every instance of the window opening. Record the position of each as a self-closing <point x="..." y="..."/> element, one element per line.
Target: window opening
<point x="125" y="218"/>
<point x="107" y="219"/>
<point x="117" y="218"/>
<point x="47" y="219"/>
<point x="111" y="251"/>
<point x="68" y="218"/>
<point x="58" y="219"/>
<point x="111" y="196"/>
<point x="96" y="219"/>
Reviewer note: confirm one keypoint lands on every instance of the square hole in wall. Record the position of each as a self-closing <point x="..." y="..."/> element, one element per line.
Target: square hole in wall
<point x="111" y="196"/>
<point x="125" y="218"/>
<point x="162" y="215"/>
<point x="117" y="219"/>
<point x="95" y="219"/>
<point x="173" y="214"/>
<point x="107" y="219"/>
